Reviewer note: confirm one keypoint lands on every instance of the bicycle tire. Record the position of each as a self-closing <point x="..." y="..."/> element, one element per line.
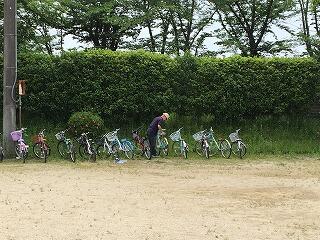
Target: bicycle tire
<point x="146" y="149"/>
<point x="102" y="152"/>
<point x="127" y="148"/>
<point x="83" y="152"/>
<point x="198" y="148"/>
<point x="93" y="155"/>
<point x="243" y="150"/>
<point x="225" y="148"/>
<point x="185" y="152"/>
<point x="239" y="151"/>
<point x="165" y="150"/>
<point x="206" y="152"/>
<point x="176" y="148"/>
<point x="62" y="148"/>
<point x="38" y="150"/>
<point x="72" y="153"/>
<point x="46" y="154"/>
<point x="24" y="155"/>
<point x="17" y="149"/>
<point x="1" y="154"/>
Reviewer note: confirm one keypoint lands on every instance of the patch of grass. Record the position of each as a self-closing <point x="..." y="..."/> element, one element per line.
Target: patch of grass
<point x="286" y="136"/>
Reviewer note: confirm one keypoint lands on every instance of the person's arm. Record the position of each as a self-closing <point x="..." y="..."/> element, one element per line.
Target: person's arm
<point x="159" y="125"/>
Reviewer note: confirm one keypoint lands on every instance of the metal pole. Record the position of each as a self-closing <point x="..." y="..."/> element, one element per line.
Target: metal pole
<point x="20" y="112"/>
<point x="9" y="75"/>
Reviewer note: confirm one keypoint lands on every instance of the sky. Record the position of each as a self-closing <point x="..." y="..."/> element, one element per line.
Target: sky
<point x="210" y="43"/>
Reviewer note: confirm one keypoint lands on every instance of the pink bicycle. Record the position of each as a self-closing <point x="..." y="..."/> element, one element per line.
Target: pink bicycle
<point x="21" y="147"/>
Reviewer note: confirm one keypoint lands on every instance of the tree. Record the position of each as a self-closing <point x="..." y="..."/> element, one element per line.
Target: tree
<point x="245" y="24"/>
<point x="104" y="23"/>
<point x="310" y="33"/>
<point x="153" y="16"/>
<point x="39" y="19"/>
<point x="175" y="26"/>
<point x="189" y="19"/>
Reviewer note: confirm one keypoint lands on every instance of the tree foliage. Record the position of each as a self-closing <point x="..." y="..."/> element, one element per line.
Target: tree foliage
<point x="245" y="24"/>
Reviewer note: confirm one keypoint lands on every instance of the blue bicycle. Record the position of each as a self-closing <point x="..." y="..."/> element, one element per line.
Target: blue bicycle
<point x="162" y="144"/>
<point x="122" y="145"/>
<point x="180" y="147"/>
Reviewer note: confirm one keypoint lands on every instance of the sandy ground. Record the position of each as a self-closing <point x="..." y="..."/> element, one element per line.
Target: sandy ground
<point x="169" y="199"/>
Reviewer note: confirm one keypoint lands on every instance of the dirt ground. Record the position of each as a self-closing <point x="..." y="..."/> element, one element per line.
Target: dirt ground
<point x="163" y="199"/>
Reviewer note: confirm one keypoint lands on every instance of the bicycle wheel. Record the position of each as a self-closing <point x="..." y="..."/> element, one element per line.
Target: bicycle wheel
<point x="83" y="152"/>
<point x="92" y="155"/>
<point x="225" y="148"/>
<point x="62" y="148"/>
<point x="185" y="152"/>
<point x="17" y="149"/>
<point x="176" y="148"/>
<point x="1" y="154"/>
<point x="238" y="149"/>
<point x="46" y="153"/>
<point x="38" y="150"/>
<point x="138" y="149"/>
<point x="165" y="149"/>
<point x="103" y="152"/>
<point x="127" y="148"/>
<point x="206" y="151"/>
<point x="199" y="149"/>
<point x="116" y="149"/>
<point x="24" y="155"/>
<point x="146" y="149"/>
<point x="243" y="149"/>
<point x="72" y="153"/>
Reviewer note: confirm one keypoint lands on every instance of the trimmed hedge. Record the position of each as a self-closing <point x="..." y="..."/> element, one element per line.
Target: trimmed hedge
<point x="137" y="85"/>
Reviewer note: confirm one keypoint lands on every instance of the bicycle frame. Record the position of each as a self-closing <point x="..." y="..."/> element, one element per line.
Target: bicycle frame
<point x="22" y="146"/>
<point x="211" y="138"/>
<point x="87" y="144"/>
<point x="183" y="146"/>
<point x="138" y="139"/>
<point x="106" y="145"/>
<point x="160" y="137"/>
<point x="142" y="143"/>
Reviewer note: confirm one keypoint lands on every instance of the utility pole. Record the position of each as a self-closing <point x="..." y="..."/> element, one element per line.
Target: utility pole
<point x="9" y="75"/>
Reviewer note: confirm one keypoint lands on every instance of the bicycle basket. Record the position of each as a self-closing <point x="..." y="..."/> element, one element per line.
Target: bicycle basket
<point x="198" y="136"/>
<point x="234" y="137"/>
<point x="175" y="136"/>
<point x="16" y="135"/>
<point x="36" y="138"/>
<point x="60" y="136"/>
<point x="112" y="136"/>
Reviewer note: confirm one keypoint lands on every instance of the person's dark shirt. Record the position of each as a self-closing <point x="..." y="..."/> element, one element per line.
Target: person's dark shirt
<point x="154" y="124"/>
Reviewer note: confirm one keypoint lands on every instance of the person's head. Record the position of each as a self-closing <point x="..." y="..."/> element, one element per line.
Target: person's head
<point x="165" y="116"/>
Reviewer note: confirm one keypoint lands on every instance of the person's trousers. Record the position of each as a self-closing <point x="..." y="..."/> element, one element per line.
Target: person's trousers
<point x="152" y="140"/>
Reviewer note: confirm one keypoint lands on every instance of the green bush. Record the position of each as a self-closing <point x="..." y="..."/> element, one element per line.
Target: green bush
<point x="81" y="122"/>
<point x="135" y="86"/>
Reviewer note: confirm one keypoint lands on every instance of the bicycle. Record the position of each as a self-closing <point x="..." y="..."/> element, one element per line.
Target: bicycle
<point x="21" y="147"/>
<point x="162" y="144"/>
<point x="1" y="152"/>
<point x="202" y="146"/>
<point x="179" y="146"/>
<point x="142" y="144"/>
<point x="222" y="145"/>
<point x="120" y="145"/>
<point x="40" y="148"/>
<point x="237" y="145"/>
<point x="86" y="149"/>
<point x="104" y="148"/>
<point x="65" y="146"/>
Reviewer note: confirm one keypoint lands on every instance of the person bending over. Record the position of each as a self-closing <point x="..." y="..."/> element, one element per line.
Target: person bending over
<point x="153" y="129"/>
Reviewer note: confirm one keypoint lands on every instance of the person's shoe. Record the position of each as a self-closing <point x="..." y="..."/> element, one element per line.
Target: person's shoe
<point x="155" y="156"/>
